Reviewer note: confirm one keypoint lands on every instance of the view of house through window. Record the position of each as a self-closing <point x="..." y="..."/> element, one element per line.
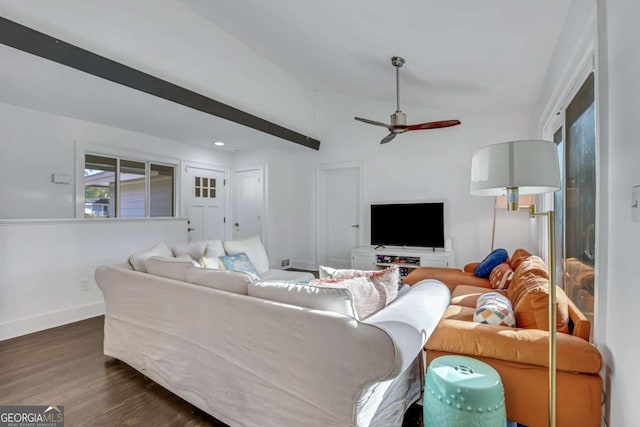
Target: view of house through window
<point x="126" y="188"/>
<point x="99" y="187"/>
<point x="133" y="197"/>
<point x="575" y="205"/>
<point x="161" y="189"/>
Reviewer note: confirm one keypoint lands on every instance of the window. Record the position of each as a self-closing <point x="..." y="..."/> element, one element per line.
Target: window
<point x="162" y="190"/>
<point x="127" y="188"/>
<point x="205" y="187"/>
<point x="133" y="198"/>
<point x="575" y="204"/>
<point x="99" y="186"/>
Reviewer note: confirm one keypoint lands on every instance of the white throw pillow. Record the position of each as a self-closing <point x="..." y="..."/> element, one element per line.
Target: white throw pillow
<point x="326" y="272"/>
<point x="169" y="267"/>
<point x="159" y="249"/>
<point x="212" y="260"/>
<point x="389" y="277"/>
<point x="337" y="300"/>
<point x="368" y="296"/>
<point x="223" y="280"/>
<point x="196" y="249"/>
<point x="254" y="250"/>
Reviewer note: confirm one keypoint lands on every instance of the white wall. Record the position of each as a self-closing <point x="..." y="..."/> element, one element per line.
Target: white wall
<point x="42" y="262"/>
<point x="622" y="345"/>
<point x="418" y="166"/>
<point x="421" y="165"/>
<point x="36" y="144"/>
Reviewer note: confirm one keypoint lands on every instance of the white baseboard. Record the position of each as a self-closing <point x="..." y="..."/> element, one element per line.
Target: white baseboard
<point x="304" y="265"/>
<point x="40" y="322"/>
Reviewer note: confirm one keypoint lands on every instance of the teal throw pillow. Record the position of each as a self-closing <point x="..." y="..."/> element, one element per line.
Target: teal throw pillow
<point x="239" y="262"/>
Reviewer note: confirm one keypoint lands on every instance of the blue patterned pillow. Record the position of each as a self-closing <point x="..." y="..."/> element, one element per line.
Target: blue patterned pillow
<point x="239" y="262"/>
<point x="492" y="260"/>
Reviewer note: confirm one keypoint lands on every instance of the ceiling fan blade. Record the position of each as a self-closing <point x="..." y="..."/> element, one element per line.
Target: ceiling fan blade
<point x="388" y="138"/>
<point x="372" y="122"/>
<point x="434" y="125"/>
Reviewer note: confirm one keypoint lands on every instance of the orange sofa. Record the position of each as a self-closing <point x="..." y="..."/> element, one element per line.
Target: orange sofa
<point x="520" y="354"/>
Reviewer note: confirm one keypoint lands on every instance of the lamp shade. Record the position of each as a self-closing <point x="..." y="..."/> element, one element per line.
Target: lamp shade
<point x="531" y="166"/>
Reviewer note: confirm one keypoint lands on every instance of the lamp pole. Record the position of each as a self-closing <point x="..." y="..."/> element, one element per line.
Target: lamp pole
<point x="552" y="310"/>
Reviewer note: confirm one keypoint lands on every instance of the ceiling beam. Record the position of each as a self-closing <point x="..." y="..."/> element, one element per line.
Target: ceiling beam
<point x="29" y="40"/>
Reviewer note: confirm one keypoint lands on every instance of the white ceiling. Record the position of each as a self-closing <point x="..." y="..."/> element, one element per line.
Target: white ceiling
<point x="471" y="52"/>
<point x="460" y="53"/>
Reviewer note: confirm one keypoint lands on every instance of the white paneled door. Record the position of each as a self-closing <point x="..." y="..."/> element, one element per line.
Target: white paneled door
<point x="248" y="203"/>
<point x="205" y="203"/>
<point x="339" y="215"/>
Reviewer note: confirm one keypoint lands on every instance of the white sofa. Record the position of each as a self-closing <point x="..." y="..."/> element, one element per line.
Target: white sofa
<point x="249" y="361"/>
<point x="213" y="249"/>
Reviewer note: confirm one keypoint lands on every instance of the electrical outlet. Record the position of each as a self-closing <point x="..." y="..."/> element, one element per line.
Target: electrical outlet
<point x="84" y="285"/>
<point x="285" y="263"/>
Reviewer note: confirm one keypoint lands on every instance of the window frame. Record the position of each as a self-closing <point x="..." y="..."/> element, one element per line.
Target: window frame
<point x="82" y="149"/>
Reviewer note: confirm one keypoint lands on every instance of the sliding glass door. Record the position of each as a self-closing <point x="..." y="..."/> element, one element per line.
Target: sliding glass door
<point x="575" y="204"/>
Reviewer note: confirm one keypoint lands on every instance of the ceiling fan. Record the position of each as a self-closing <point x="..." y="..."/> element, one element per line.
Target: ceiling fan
<point x="399" y="119"/>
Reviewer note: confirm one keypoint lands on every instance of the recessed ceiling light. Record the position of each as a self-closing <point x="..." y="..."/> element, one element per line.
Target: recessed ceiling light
<point x="218" y="143"/>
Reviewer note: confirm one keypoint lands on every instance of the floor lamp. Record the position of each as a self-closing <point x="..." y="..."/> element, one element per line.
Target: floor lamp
<point x="524" y="167"/>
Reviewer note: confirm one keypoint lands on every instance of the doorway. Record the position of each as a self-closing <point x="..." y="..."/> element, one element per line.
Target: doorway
<point x="340" y="213"/>
<point x="205" y="202"/>
<point x="248" y="203"/>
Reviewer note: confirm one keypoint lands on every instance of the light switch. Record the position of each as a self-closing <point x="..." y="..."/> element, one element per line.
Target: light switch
<point x="60" y="178"/>
<point x="635" y="204"/>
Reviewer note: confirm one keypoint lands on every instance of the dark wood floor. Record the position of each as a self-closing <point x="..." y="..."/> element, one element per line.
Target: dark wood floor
<point x="65" y="366"/>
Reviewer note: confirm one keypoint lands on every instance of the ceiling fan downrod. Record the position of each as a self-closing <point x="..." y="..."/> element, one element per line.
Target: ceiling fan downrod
<point x="398" y="118"/>
<point x="397" y="62"/>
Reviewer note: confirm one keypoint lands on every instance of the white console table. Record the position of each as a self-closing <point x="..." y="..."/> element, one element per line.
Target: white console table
<point x="407" y="259"/>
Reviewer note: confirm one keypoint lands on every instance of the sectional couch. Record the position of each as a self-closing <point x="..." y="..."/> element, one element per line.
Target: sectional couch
<point x="253" y="353"/>
<point x="520" y="354"/>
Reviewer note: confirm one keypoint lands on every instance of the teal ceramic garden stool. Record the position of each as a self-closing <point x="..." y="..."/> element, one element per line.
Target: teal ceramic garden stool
<point x="463" y="392"/>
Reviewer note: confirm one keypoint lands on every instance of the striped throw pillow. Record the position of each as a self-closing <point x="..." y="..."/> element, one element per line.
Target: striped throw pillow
<point x="501" y="276"/>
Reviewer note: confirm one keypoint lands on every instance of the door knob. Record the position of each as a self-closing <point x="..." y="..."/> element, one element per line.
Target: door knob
<point x="236" y="224"/>
<point x="356" y="226"/>
<point x="190" y="229"/>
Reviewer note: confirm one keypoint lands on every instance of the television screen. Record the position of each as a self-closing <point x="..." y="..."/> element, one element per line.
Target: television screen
<point x="408" y="224"/>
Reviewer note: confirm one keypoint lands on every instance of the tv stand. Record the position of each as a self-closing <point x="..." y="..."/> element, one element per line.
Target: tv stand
<point x="379" y="246"/>
<point x="406" y="258"/>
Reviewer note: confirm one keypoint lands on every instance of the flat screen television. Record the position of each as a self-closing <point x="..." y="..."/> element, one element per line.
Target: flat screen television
<point x="408" y="224"/>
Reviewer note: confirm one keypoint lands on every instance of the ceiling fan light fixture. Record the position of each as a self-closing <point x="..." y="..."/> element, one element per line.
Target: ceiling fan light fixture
<point x="399" y="119"/>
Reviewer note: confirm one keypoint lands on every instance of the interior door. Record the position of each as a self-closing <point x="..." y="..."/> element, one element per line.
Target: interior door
<point x="248" y="203"/>
<point x="339" y="218"/>
<point x="205" y="203"/>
